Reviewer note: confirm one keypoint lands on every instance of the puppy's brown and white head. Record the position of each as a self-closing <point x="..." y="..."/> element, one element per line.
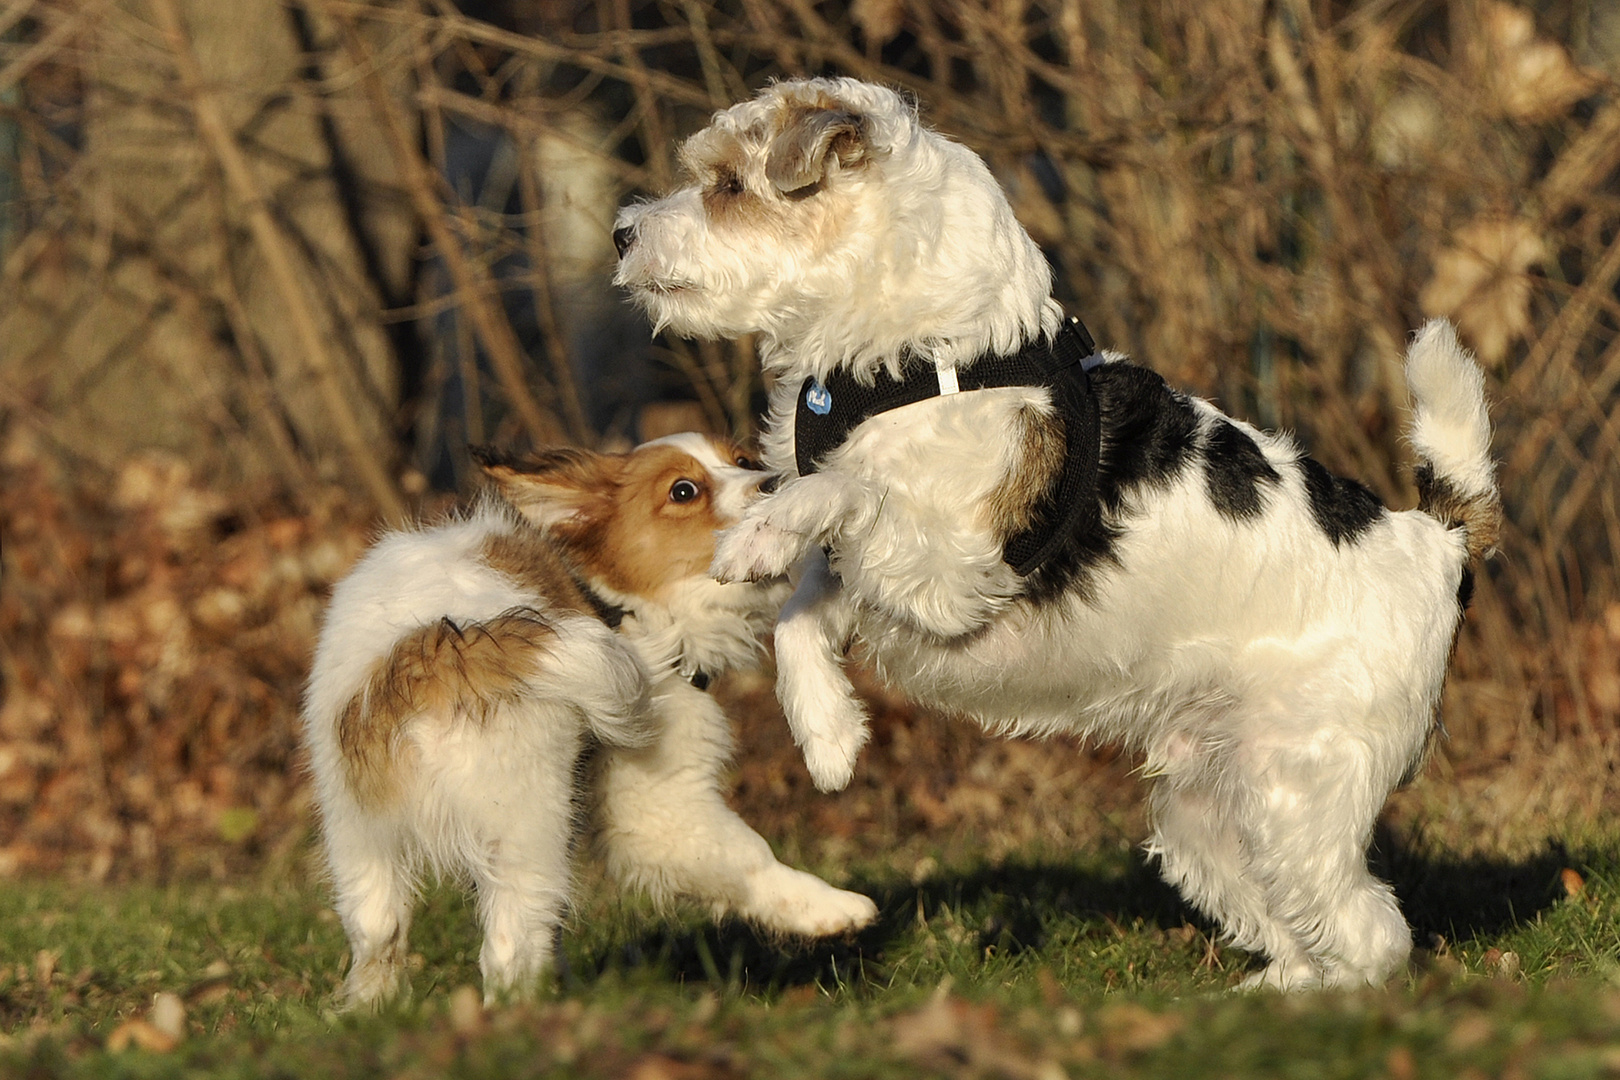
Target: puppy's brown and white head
<point x="639" y="526"/>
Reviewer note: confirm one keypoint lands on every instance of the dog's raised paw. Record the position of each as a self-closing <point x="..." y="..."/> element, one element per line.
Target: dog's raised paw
<point x="755" y="549"/>
<point x="830" y="743"/>
<point x="831" y="763"/>
<point x="843" y="912"/>
<point x="795" y="902"/>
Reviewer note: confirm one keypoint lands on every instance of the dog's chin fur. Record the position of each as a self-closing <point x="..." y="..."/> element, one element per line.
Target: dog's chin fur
<point x="1268" y="637"/>
<point x="464" y="669"/>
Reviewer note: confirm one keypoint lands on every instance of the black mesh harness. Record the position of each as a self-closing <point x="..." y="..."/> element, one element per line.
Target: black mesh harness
<point x="827" y="413"/>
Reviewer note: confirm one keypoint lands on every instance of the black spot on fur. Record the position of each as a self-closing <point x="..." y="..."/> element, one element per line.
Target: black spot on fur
<point x="1428" y="483"/>
<point x="1343" y="508"/>
<point x="1149" y="431"/>
<point x="1233" y="470"/>
<point x="1149" y="434"/>
<point x="1465" y="589"/>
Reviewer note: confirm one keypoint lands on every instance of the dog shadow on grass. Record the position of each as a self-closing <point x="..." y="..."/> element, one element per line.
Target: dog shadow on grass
<point x="1459" y="898"/>
<point x="1020" y="907"/>
<point x="1011" y="907"/>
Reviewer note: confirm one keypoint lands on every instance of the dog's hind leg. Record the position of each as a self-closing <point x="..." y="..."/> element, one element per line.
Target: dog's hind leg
<point x="1363" y="939"/>
<point x="665" y="828"/>
<point x="522" y="880"/>
<point x="1198" y="841"/>
<point x="522" y="896"/>
<point x="1313" y="813"/>
<point x="373" y="893"/>
<point x="828" y="722"/>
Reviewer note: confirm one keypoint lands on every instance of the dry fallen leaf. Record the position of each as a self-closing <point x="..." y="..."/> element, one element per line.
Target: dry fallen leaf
<point x="1470" y="1030"/>
<point x="1503" y="965"/>
<point x="1399" y="1064"/>
<point x="1407" y="129"/>
<point x="168" y="1015"/>
<point x="141" y="1034"/>
<point x="44" y="966"/>
<point x="1480" y="282"/>
<point x="1572" y="881"/>
<point x="662" y="1067"/>
<point x="466" y="1011"/>
<point x="951" y="1033"/>
<point x="1134" y="1029"/>
<point x="1530" y="78"/>
<point x="879" y="20"/>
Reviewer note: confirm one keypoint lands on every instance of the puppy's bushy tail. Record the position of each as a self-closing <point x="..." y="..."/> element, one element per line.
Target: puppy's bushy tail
<point x="1451" y="432"/>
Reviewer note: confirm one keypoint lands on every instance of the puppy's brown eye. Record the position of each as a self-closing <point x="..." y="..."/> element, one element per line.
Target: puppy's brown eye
<point x="727" y="184"/>
<point x="683" y="491"/>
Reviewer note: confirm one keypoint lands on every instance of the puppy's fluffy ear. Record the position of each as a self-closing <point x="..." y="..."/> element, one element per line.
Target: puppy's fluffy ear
<point x="564" y="490"/>
<point x="800" y="156"/>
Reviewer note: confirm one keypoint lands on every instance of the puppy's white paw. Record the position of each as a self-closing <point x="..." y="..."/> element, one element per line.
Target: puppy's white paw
<point x="794" y="902"/>
<point x="373" y="983"/>
<point x="840" y="912"/>
<point x="754" y="549"/>
<point x="831" y="762"/>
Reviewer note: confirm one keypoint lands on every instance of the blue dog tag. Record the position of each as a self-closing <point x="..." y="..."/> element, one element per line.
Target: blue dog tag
<point x="818" y="398"/>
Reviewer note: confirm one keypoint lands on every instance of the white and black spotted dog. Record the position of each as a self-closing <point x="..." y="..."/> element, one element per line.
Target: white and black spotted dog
<point x="1014" y="529"/>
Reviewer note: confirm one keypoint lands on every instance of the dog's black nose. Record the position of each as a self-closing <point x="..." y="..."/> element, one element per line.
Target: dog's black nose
<point x="623" y="237"/>
<point x="769" y="484"/>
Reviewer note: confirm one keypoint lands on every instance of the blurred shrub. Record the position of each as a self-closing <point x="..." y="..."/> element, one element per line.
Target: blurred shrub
<point x="311" y="247"/>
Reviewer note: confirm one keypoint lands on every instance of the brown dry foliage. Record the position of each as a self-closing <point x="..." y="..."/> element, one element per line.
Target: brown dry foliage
<point x="1261" y="201"/>
<point x="155" y="638"/>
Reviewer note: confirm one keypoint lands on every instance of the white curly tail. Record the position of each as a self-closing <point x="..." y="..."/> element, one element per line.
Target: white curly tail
<point x="1451" y="432"/>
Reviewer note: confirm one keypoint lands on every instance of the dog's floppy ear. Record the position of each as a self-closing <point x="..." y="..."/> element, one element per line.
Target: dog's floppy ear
<point x="800" y="155"/>
<point x="564" y="490"/>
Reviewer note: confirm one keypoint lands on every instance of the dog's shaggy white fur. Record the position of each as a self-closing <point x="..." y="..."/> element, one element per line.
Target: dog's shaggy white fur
<point x="1268" y="636"/>
<point x="461" y="668"/>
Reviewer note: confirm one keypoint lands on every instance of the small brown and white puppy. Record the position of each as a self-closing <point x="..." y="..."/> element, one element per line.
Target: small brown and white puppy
<point x="463" y="669"/>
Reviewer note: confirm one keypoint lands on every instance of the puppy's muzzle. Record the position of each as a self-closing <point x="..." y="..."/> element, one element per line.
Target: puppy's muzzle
<point x="623" y="238"/>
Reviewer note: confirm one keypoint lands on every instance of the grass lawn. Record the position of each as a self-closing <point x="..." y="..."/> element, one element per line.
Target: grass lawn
<point x="1040" y="967"/>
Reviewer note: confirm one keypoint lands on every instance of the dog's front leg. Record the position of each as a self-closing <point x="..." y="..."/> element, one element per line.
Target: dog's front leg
<point x="776" y="531"/>
<point x="665" y="827"/>
<point x="827" y="719"/>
